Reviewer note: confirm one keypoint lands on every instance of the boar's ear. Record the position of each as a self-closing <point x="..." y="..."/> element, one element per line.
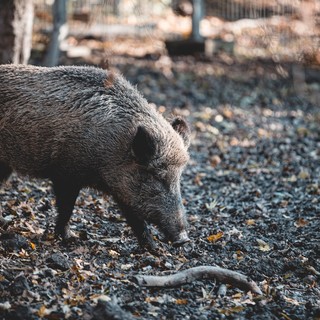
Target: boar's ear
<point x="143" y="146"/>
<point x="181" y="126"/>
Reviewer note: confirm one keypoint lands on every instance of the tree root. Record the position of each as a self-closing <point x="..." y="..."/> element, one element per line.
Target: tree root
<point x="234" y="278"/>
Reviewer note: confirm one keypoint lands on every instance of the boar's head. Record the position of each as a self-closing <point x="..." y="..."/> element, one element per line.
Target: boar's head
<point x="151" y="185"/>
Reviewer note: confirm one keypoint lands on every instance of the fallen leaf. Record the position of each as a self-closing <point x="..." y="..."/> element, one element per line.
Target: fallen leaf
<point x="215" y="237"/>
<point x="126" y="266"/>
<point x="32" y="245"/>
<point x="239" y="255"/>
<point x="113" y="253"/>
<point x="181" y="301"/>
<point x="304" y="175"/>
<point x="301" y="222"/>
<point x="263" y="246"/>
<point x="215" y="160"/>
<point x="23" y="254"/>
<point x="42" y="311"/>
<point x="250" y="222"/>
<point x="197" y="179"/>
<point x="284" y="203"/>
<point x="292" y="301"/>
<point x="103" y="297"/>
<point x="293" y="178"/>
<point x="230" y="311"/>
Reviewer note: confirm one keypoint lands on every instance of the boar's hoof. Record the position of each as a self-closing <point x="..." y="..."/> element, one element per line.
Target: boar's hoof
<point x="182" y="239"/>
<point x="65" y="234"/>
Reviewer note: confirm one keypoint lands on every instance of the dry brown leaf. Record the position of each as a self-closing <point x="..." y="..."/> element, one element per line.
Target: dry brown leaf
<point x="42" y="311"/>
<point x="32" y="245"/>
<point x="215" y="160"/>
<point x="239" y="255"/>
<point x="250" y="222"/>
<point x="197" y="179"/>
<point x="181" y="301"/>
<point x="301" y="222"/>
<point x="215" y="237"/>
<point x="232" y="310"/>
<point x="284" y="203"/>
<point x="237" y="295"/>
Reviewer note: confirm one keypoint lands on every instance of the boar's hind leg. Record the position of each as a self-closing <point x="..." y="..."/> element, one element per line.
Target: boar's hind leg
<point x="5" y="172"/>
<point x="66" y="194"/>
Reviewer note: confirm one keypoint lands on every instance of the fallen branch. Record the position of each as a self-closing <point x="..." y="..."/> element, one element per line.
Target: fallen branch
<point x="236" y="279"/>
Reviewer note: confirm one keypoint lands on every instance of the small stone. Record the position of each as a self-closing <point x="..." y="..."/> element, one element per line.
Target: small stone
<point x="19" y="284"/>
<point x="58" y="261"/>
<point x="14" y="242"/>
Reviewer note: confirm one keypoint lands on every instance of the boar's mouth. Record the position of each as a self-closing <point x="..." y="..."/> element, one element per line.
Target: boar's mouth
<point x="181" y="239"/>
<point x="174" y="230"/>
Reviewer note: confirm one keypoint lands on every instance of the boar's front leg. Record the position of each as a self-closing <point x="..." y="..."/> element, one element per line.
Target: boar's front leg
<point x="66" y="192"/>
<point x="140" y="230"/>
<point x="5" y="172"/>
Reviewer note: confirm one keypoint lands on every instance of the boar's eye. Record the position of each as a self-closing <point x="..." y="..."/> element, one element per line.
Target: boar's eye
<point x="143" y="146"/>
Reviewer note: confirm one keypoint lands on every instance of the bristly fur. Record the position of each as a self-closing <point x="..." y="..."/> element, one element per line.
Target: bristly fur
<point x="77" y="126"/>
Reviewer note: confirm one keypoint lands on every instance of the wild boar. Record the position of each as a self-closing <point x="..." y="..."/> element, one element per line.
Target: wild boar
<point x="88" y="127"/>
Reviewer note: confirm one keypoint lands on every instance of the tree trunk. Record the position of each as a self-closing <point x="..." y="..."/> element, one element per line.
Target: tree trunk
<point x="59" y="32"/>
<point x="16" y="20"/>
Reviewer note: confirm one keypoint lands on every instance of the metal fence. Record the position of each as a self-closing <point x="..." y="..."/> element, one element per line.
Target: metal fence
<point x="252" y="9"/>
<point x="285" y="29"/>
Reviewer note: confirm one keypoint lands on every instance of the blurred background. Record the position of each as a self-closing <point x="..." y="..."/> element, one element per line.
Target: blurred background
<point x="281" y="30"/>
<point x="95" y="30"/>
<point x="283" y="35"/>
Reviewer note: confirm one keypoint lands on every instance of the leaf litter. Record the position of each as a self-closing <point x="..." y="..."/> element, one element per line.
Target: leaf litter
<point x="251" y="192"/>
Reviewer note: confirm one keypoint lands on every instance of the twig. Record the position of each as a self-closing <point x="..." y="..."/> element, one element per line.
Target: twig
<point x="203" y="272"/>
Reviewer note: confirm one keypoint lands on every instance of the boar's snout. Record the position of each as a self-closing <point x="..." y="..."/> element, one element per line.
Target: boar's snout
<point x="181" y="239"/>
<point x="176" y="229"/>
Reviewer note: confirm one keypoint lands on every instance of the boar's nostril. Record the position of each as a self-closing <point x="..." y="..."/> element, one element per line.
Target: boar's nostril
<point x="182" y="239"/>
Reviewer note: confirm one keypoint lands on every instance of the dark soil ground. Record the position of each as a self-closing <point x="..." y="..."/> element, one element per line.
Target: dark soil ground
<point x="252" y="196"/>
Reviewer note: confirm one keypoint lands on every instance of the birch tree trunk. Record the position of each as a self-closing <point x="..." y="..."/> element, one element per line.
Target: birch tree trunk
<point x="16" y="20"/>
